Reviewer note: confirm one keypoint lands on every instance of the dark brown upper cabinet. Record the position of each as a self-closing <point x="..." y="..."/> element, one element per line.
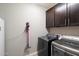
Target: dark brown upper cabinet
<point x="60" y="15"/>
<point x="50" y="18"/>
<point x="73" y="19"/>
<point x="63" y="14"/>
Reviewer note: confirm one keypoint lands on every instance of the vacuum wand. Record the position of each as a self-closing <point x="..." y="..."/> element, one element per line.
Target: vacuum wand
<point x="27" y="35"/>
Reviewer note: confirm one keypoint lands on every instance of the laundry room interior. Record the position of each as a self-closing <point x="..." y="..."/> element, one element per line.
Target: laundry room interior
<point x="39" y="29"/>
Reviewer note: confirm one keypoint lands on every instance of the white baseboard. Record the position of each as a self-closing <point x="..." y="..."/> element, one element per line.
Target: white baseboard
<point x="36" y="52"/>
<point x="32" y="54"/>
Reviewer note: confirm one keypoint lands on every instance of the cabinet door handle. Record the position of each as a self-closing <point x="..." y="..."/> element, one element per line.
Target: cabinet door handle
<point x="65" y="21"/>
<point x="68" y="21"/>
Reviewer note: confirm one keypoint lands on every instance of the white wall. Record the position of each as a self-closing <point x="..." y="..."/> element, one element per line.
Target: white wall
<point x="2" y="43"/>
<point x="16" y="15"/>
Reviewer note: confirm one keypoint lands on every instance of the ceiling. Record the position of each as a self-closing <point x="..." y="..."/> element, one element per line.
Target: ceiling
<point x="47" y="5"/>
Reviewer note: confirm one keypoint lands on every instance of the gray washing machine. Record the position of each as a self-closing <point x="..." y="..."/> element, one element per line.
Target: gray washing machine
<point x="67" y="46"/>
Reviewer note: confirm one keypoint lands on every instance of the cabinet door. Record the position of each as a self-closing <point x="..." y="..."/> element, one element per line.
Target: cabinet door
<point x="60" y="15"/>
<point x="73" y="14"/>
<point x="50" y="18"/>
<point x="42" y="47"/>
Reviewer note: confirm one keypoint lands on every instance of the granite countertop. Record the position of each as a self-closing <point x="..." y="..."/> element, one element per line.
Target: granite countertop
<point x="49" y="37"/>
<point x="44" y="38"/>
